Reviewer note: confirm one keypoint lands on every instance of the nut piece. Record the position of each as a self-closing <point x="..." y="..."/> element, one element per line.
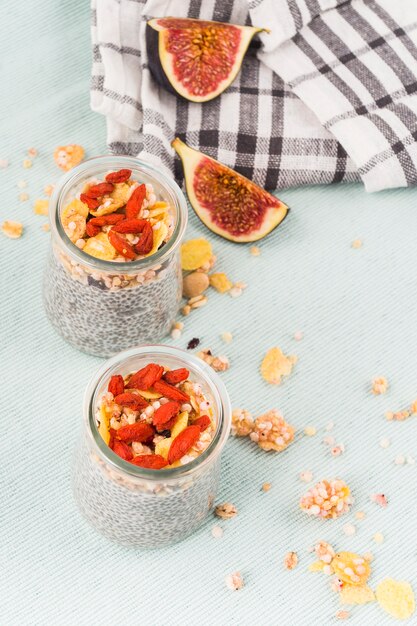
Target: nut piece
<point x="272" y="432"/>
<point x="195" y="284"/>
<point x="290" y="560"/>
<point x="328" y="499"/>
<point x="11" y="229"/>
<point x="226" y="510"/>
<point x="242" y="423"/>
<point x="234" y="581"/>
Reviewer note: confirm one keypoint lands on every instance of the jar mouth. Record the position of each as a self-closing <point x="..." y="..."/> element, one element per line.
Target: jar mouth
<point x="108" y="162"/>
<point x="153" y="352"/>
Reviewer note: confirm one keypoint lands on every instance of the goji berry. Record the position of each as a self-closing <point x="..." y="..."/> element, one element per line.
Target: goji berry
<point x="91" y="229"/>
<point x="134" y="204"/>
<point x="116" y="385"/>
<point x="151" y="461"/>
<point x="146" y="377"/>
<point x="118" y="177"/>
<point x="202" y="422"/>
<point x="92" y="203"/>
<point x="183" y="442"/>
<point x="144" y="245"/>
<point x="170" y="392"/>
<point x="122" y="449"/>
<point x="132" y="225"/>
<point x="121" y="245"/>
<point x="112" y="437"/>
<point x="166" y="412"/>
<point x="96" y="191"/>
<point x="176" y="376"/>
<point x="94" y="225"/>
<point x="131" y="400"/>
<point x="140" y="431"/>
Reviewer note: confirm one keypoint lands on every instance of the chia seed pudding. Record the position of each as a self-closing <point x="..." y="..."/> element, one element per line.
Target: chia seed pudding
<point x="146" y="472"/>
<point x="113" y="277"/>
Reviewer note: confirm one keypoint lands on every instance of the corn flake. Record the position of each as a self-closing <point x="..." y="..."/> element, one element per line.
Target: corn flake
<point x="67" y="157"/>
<point x="11" y="229"/>
<point x="275" y="365"/>
<point x="351" y="568"/>
<point x="356" y="594"/>
<point x="41" y="207"/>
<point x="396" y="598"/>
<point x="317" y="566"/>
<point x="100" y="247"/>
<point x="220" y="282"/>
<point x="195" y="253"/>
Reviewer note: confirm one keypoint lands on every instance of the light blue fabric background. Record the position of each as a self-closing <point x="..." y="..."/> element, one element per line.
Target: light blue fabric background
<point x="357" y="309"/>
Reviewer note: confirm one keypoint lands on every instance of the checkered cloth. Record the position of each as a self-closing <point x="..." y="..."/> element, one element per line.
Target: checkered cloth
<point x="330" y="95"/>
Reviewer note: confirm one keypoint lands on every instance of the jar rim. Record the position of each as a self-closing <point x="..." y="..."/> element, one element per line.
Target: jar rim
<point x="217" y="388"/>
<point x="122" y="161"/>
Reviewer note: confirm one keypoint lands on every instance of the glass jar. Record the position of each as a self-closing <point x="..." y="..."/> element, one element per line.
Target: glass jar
<point x="103" y="307"/>
<point x="142" y="507"/>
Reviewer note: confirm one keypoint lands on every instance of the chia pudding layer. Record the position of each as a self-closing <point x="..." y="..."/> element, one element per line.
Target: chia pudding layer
<point x="147" y="466"/>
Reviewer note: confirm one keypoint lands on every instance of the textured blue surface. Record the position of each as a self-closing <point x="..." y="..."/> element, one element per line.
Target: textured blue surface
<point x="357" y="310"/>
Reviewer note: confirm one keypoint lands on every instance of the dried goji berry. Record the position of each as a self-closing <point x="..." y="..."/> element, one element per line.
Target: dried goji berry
<point x="132" y="400"/>
<point x="132" y="225"/>
<point x="146" y="377"/>
<point x="151" y="461"/>
<point x="134" y="204"/>
<point x="122" y="449"/>
<point x="94" y="225"/>
<point x="116" y="385"/>
<point x="165" y="428"/>
<point x="96" y="191"/>
<point x="112" y="437"/>
<point x="166" y="412"/>
<point x="176" y="376"/>
<point x="91" y="229"/>
<point x="121" y="245"/>
<point x="140" y="431"/>
<point x="183" y="442"/>
<point x="118" y="177"/>
<point x="144" y="245"/>
<point x="202" y="422"/>
<point x="92" y="203"/>
<point x="171" y="392"/>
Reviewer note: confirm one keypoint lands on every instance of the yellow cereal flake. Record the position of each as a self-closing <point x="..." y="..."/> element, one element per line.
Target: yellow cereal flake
<point x="75" y="206"/>
<point x="195" y="253"/>
<point x="158" y="209"/>
<point x="220" y="282"/>
<point x="104" y="428"/>
<point x="180" y="424"/>
<point x="11" y="229"/>
<point x="41" y="207"/>
<point x="351" y="568"/>
<point x="67" y="157"/>
<point x="75" y="227"/>
<point x="396" y="598"/>
<point x="27" y="163"/>
<point x="317" y="566"/>
<point x="275" y="365"/>
<point x="119" y="197"/>
<point x="149" y="394"/>
<point x="159" y="236"/>
<point x="163" y="446"/>
<point x="100" y="247"/>
<point x="356" y="594"/>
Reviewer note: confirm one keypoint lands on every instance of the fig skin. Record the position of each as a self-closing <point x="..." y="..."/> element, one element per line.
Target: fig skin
<point x="155" y="65"/>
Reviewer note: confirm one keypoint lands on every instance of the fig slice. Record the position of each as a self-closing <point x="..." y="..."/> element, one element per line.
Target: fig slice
<point x="196" y="59"/>
<point x="229" y="204"/>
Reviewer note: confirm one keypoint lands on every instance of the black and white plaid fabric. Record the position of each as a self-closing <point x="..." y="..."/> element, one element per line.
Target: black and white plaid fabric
<point x="330" y="95"/>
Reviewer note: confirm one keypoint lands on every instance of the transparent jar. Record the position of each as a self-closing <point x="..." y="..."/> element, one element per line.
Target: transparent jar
<point x="142" y="507"/>
<point x="103" y="307"/>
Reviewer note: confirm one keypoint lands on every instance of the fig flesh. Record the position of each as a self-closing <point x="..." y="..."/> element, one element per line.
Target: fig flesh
<point x="229" y="204"/>
<point x="196" y="59"/>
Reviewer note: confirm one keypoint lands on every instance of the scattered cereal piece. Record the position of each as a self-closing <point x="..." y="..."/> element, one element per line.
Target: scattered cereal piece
<point x="4" y="163"/>
<point x="193" y="343"/>
<point x="310" y="431"/>
<point x="329" y="440"/>
<point x="27" y="163"/>
<point x="275" y="365"/>
<point x="195" y="284"/>
<point x="272" y="432"/>
<point x="337" y="450"/>
<point x="328" y="499"/>
<point x="351" y="568"/>
<point x="341" y="614"/>
<point x="220" y="282"/>
<point x="379" y="385"/>
<point x="349" y="530"/>
<point x="379" y="498"/>
<point x="384" y="442"/>
<point x="368" y="556"/>
<point x="218" y="363"/>
<point x="234" y="581"/>
<point x="12" y="229"/>
<point x="306" y="477"/>
<point x="22" y="184"/>
<point x="396" y="598"/>
<point x="23" y="197"/>
<point x="175" y="333"/>
<point x="41" y="207"/>
<point x="324" y="551"/>
<point x="329" y="426"/>
<point x="317" y="566"/>
<point x="46" y="228"/>
<point x="410" y="460"/>
<point x="32" y="153"/>
<point x="266" y="486"/>
<point x="357" y="243"/>
<point x="227" y="337"/>
<point x="242" y="423"/>
<point x="217" y="532"/>
<point x="255" y="250"/>
<point x="186" y="310"/>
<point x="235" y="292"/>
<point x="356" y="594"/>
<point x="67" y="157"/>
<point x="290" y="560"/>
<point x="379" y="538"/>
<point x="399" y="459"/>
<point x="360" y="515"/>
<point x="298" y="335"/>
<point x="48" y="190"/>
<point x="195" y="253"/>
<point x="227" y="510"/>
